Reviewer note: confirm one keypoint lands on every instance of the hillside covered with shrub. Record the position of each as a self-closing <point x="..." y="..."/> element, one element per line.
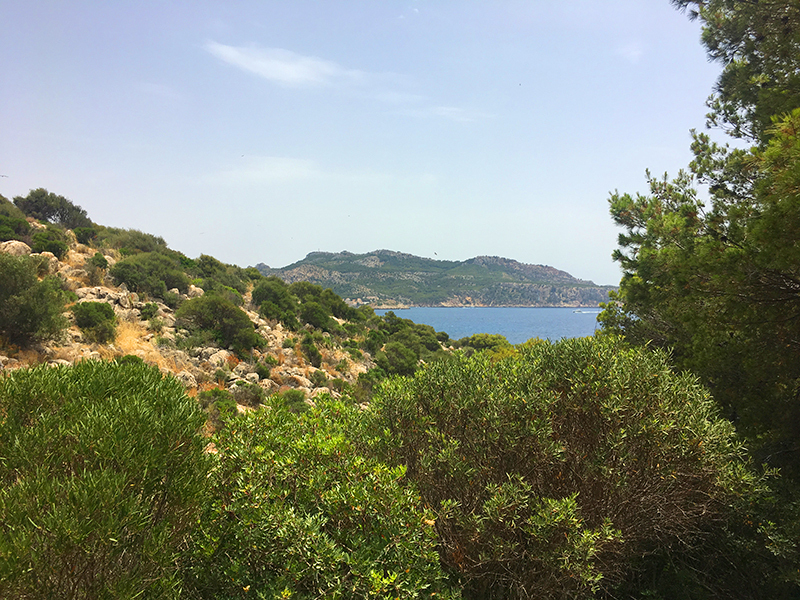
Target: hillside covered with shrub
<point x="387" y="278"/>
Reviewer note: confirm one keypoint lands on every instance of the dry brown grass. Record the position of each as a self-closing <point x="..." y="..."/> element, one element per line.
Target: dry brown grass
<point x="130" y="340"/>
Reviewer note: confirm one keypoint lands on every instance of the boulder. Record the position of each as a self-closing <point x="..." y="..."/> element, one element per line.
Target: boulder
<point x="195" y="292"/>
<point x="219" y="358"/>
<point x="187" y="379"/>
<point x="49" y="262"/>
<point x="268" y="385"/>
<point x="251" y="377"/>
<point x="243" y="369"/>
<point x="15" y="248"/>
<point x="298" y="381"/>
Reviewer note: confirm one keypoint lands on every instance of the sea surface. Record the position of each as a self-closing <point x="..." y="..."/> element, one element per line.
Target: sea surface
<point x="516" y="324"/>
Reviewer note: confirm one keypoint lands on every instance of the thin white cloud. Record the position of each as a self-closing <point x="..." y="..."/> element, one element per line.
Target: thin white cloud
<point x="451" y="113"/>
<point x="278" y="170"/>
<point x="285" y="67"/>
<point x="267" y="169"/>
<point x="289" y="69"/>
<point x="632" y="52"/>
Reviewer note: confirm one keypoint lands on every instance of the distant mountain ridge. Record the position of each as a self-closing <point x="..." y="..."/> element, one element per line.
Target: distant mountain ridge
<point x="385" y="278"/>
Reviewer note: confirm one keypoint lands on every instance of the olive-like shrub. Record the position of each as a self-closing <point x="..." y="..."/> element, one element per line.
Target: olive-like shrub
<point x="552" y="470"/>
<point x="96" y="320"/>
<point x="102" y="475"/>
<point x="30" y="309"/>
<point x="217" y="316"/>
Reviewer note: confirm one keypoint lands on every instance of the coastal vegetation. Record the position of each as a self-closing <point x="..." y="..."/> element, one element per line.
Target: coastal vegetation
<point x="263" y="438"/>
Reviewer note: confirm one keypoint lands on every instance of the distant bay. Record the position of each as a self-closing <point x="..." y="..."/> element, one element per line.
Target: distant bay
<point x="515" y="323"/>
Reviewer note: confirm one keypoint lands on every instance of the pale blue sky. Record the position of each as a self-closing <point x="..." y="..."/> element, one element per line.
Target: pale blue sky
<point x="260" y="130"/>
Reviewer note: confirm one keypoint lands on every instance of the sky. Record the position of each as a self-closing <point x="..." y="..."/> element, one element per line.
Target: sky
<point x="258" y="131"/>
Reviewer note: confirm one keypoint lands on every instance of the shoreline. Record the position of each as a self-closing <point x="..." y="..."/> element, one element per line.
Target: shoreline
<point x="410" y="306"/>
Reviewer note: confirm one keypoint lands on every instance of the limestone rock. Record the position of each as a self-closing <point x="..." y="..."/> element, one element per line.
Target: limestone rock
<point x="195" y="292"/>
<point x="187" y="379"/>
<point x="49" y="262"/>
<point x="243" y="369"/>
<point x="15" y="248"/>
<point x="298" y="381"/>
<point x="268" y="385"/>
<point x="219" y="358"/>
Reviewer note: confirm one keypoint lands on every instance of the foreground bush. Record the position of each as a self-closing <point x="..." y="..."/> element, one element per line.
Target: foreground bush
<point x="299" y="513"/>
<point x="552" y="471"/>
<point x="30" y="309"/>
<point x="102" y="473"/>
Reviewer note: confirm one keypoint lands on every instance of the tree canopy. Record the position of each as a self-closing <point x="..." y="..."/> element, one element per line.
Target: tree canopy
<point x="710" y="258"/>
<point x="52" y="208"/>
<point x="712" y="272"/>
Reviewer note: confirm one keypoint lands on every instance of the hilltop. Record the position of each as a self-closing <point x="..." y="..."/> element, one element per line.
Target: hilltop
<point x="385" y="278"/>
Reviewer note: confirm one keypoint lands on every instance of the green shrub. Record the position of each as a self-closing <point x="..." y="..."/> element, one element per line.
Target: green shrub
<point x="102" y="476"/>
<point x="253" y="274"/>
<point x="374" y="341"/>
<point x="85" y="235"/>
<point x="264" y="368"/>
<point x="131" y="241"/>
<point x="149" y="310"/>
<point x="483" y="341"/>
<point x="12" y="228"/>
<point x="151" y="273"/>
<point x="275" y="301"/>
<point x="155" y="325"/>
<point x="228" y="323"/>
<point x="129" y="359"/>
<point x="219" y="405"/>
<point x="289" y="342"/>
<point x="99" y="261"/>
<point x="367" y="383"/>
<point x="315" y="315"/>
<point x="396" y="359"/>
<point x="319" y="378"/>
<point x="338" y="385"/>
<point x="299" y="512"/>
<point x="217" y="275"/>
<point x="551" y="472"/>
<point x="293" y="400"/>
<point x="171" y="299"/>
<point x="96" y="320"/>
<point x="249" y="394"/>
<point x="30" y="309"/>
<point x="310" y="350"/>
<point x="50" y="240"/>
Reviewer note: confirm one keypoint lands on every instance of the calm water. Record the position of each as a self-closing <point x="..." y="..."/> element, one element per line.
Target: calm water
<point x="517" y="324"/>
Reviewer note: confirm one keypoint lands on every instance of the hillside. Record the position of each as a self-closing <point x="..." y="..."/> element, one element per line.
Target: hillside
<point x="386" y="278"/>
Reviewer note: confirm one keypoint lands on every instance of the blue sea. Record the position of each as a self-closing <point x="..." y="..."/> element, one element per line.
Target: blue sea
<point x="516" y="324"/>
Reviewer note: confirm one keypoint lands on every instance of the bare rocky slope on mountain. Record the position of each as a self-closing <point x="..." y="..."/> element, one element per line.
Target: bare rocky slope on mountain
<point x="384" y="278"/>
